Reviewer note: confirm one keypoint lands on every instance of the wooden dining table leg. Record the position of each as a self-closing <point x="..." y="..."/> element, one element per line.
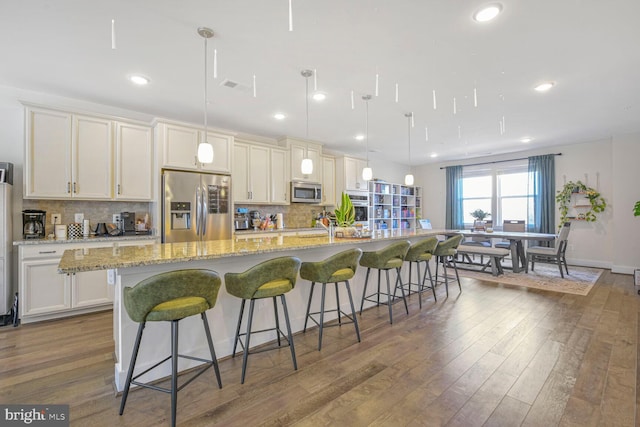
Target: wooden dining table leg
<point x="515" y="255"/>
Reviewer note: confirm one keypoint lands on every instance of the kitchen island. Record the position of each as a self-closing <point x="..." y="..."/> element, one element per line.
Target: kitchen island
<point x="130" y="265"/>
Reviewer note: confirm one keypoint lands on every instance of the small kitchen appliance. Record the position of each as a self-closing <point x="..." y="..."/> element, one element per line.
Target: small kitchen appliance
<point x="241" y="219"/>
<point x="128" y="222"/>
<point x="306" y="192"/>
<point x="33" y="223"/>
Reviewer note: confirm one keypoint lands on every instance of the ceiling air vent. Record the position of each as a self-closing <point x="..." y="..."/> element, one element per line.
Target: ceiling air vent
<point x="231" y="84"/>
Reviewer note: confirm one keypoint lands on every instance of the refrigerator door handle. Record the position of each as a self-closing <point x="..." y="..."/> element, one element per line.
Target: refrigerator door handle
<point x="204" y="211"/>
<point x="197" y="207"/>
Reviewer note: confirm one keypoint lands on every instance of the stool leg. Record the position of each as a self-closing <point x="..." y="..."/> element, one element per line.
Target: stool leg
<point x="290" y="336"/>
<point x="214" y="359"/>
<point x="324" y="287"/>
<point x="353" y="310"/>
<point x="364" y="292"/>
<point x="235" y="343"/>
<point x="174" y="370"/>
<point x="378" y="294"/>
<point x="132" y="364"/>
<point x="389" y="296"/>
<point x="433" y="285"/>
<point x="420" y="284"/>
<point x="245" y="355"/>
<point x="409" y="282"/>
<point x="306" y="317"/>
<point x="455" y="268"/>
<point x="338" y="304"/>
<point x="275" y="311"/>
<point x="446" y="279"/>
<point x="399" y="285"/>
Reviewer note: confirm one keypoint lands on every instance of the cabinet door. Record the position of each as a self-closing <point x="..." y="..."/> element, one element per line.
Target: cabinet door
<point x="299" y="152"/>
<point x="259" y="172"/>
<point x="240" y="174"/>
<point x="221" y="153"/>
<point x="328" y="181"/>
<point x="279" y="176"/>
<point x="90" y="289"/>
<point x="134" y="162"/>
<point x="91" y="158"/>
<point x="180" y="146"/>
<point x="47" y="170"/>
<point x="42" y="289"/>
<point x="353" y="174"/>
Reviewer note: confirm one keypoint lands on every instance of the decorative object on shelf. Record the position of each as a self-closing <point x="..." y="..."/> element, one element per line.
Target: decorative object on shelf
<point x="636" y="209"/>
<point x="367" y="173"/>
<point x="345" y="217"/>
<point x="408" y="179"/>
<point x="596" y="204"/>
<point x="74" y="230"/>
<point x="306" y="167"/>
<point x="205" y="150"/>
<point x="479" y="214"/>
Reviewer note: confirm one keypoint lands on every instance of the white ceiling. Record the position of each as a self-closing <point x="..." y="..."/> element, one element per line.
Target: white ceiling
<point x="590" y="48"/>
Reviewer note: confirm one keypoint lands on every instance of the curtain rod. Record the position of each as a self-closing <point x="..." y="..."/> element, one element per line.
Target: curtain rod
<point x="500" y="161"/>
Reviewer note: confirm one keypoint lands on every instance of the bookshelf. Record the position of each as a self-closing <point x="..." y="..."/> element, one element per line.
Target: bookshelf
<point x="393" y="206"/>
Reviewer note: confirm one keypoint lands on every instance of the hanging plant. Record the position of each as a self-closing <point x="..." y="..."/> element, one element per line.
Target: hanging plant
<point x="563" y="198"/>
<point x="636" y="209"/>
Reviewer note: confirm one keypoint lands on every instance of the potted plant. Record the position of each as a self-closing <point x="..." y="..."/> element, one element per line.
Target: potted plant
<point x="479" y="215"/>
<point x="345" y="217"/>
<point x="596" y="204"/>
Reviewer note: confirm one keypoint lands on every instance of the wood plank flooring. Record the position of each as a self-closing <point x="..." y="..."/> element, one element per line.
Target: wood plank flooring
<point x="493" y="355"/>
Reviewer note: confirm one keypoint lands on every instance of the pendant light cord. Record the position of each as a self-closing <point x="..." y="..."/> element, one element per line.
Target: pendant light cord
<point x="409" y="137"/>
<point x="205" y="89"/>
<point x="367" y="129"/>
<point x="307" y="103"/>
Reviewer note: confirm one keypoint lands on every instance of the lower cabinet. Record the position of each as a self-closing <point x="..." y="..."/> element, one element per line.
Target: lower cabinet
<point x="46" y="294"/>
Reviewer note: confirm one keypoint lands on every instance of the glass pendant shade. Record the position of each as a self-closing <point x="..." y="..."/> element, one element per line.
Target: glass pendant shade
<point x="367" y="173"/>
<point x="307" y="166"/>
<point x="408" y="179"/>
<point x="205" y="152"/>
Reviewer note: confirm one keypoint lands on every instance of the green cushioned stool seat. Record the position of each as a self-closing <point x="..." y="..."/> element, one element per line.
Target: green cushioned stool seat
<point x="171" y="296"/>
<point x="446" y="252"/>
<point x="268" y="279"/>
<point x="336" y="269"/>
<point x="421" y="252"/>
<point x="385" y="259"/>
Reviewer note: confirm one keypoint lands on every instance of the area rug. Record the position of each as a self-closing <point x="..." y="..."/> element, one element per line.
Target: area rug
<point x="579" y="281"/>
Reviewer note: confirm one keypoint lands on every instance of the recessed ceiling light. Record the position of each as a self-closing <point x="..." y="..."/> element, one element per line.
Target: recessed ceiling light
<point x="526" y="140"/>
<point x="433" y="155"/>
<point x="279" y="116"/>
<point x="139" y="79"/>
<point x="319" y="96"/>
<point x="543" y="87"/>
<point x="487" y="13"/>
<point x="360" y="137"/>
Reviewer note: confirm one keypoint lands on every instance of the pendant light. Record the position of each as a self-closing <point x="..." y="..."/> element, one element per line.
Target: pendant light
<point x="205" y="150"/>
<point x="367" y="173"/>
<point x="408" y="178"/>
<point x="306" y="167"/>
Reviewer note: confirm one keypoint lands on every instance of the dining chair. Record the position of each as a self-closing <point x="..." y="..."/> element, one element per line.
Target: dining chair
<point x="515" y="225"/>
<point x="555" y="254"/>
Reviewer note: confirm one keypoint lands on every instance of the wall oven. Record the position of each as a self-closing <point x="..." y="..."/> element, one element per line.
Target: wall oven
<point x="360" y="201"/>
<point x="306" y="192"/>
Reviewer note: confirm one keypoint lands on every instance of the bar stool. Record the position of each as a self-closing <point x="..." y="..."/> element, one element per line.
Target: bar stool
<point x="446" y="252"/>
<point x="387" y="258"/>
<point x="268" y="279"/>
<point x="418" y="252"/>
<point x="170" y="297"/>
<point x="338" y="268"/>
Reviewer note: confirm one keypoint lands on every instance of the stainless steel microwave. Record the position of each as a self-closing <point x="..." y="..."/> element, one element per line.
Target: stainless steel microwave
<point x="306" y="192"/>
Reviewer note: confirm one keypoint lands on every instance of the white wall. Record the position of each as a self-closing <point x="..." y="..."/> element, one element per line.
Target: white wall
<point x="612" y="241"/>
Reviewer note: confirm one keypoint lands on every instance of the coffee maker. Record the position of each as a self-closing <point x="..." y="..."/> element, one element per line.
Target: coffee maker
<point x="33" y="224"/>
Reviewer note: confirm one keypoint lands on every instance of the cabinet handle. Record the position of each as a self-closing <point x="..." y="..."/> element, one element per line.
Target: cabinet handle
<point x="74" y="187"/>
<point x="119" y="192"/>
<point x="195" y="160"/>
<point x="68" y="187"/>
<point x="47" y="252"/>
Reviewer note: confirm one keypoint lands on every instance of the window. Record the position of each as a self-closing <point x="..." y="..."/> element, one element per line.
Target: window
<point x="501" y="189"/>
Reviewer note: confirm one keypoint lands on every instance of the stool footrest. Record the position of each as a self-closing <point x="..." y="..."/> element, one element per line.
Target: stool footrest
<point x="326" y="324"/>
<point x="198" y="372"/>
<point x="392" y="299"/>
<point x="269" y="344"/>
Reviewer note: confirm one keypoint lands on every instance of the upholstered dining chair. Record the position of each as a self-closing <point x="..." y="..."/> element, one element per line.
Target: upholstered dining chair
<point x="515" y="225"/>
<point x="555" y="254"/>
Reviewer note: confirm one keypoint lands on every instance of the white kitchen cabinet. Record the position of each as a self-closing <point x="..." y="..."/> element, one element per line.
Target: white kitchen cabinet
<point x="46" y="294"/>
<point x="279" y="176"/>
<point x="134" y="162"/>
<point x="250" y="173"/>
<point x="180" y="148"/>
<point x="301" y="150"/>
<point x="67" y="156"/>
<point x="328" y="181"/>
<point x="349" y="174"/>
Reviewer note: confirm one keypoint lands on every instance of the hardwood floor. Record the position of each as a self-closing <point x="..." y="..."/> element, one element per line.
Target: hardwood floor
<point x="493" y="355"/>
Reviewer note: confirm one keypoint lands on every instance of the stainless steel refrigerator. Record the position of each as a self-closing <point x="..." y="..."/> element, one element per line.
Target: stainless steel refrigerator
<point x="195" y="206"/>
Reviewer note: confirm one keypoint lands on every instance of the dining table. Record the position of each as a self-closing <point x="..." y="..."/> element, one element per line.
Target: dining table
<point x="515" y="238"/>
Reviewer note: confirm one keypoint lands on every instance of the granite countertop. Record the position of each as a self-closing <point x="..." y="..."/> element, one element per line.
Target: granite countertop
<point x="135" y="256"/>
<point x="91" y="239"/>
<point x="281" y="230"/>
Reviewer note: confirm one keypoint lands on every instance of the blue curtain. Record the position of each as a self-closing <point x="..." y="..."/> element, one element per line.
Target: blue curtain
<point x="453" y="216"/>
<point x="542" y="186"/>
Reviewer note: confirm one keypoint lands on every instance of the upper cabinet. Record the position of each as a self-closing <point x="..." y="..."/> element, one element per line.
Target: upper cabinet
<point x="134" y="162"/>
<point x="180" y="148"/>
<point x="68" y="156"/>
<point x="300" y="150"/>
<point x="279" y="193"/>
<point x="71" y="156"/>
<point x="250" y="178"/>
<point x="328" y="181"/>
<point x="349" y="174"/>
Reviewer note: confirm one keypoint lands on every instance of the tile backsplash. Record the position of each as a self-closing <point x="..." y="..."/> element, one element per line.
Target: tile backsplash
<point x="296" y="215"/>
<point x="94" y="211"/>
